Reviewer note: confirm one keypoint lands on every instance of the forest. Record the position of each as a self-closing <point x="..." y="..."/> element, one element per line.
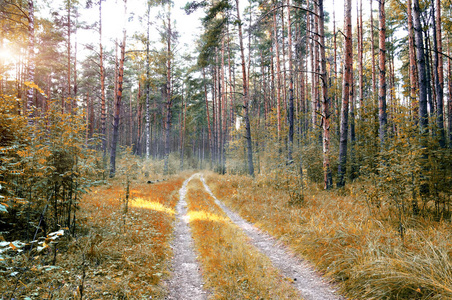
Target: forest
<point x="326" y="126"/>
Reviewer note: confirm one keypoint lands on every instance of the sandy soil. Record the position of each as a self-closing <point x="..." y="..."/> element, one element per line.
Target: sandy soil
<point x="186" y="282"/>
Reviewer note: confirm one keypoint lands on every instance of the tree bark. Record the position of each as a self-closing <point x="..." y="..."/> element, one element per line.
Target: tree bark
<point x="118" y="99"/>
<point x="139" y="121"/>
<point x="449" y="64"/>
<point x="31" y="59"/>
<point x="382" y="116"/>
<point x="413" y="70"/>
<point x="348" y="61"/>
<point x="372" y="48"/>
<point x="69" y="94"/>
<point x="291" y="103"/>
<point x="438" y="78"/>
<point x="439" y="43"/>
<point x="208" y="115"/>
<point x="360" y="56"/>
<point x="278" y="78"/>
<point x="423" y="114"/>
<point x="103" y="116"/>
<point x="327" y="177"/>
<point x="249" y="145"/>
<point x="168" y="94"/>
<point x="148" y="119"/>
<point x="182" y="133"/>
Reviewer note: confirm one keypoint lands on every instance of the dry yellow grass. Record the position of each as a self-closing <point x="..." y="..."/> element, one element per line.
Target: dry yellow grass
<point x="119" y="258"/>
<point x="232" y="268"/>
<point x="360" y="250"/>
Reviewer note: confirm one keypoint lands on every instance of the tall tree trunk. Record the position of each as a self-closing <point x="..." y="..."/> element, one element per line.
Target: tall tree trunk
<point x="224" y="112"/>
<point x="130" y="121"/>
<point x="168" y="94"/>
<point x="118" y="99"/>
<point x="382" y="116"/>
<point x="182" y="133"/>
<point x="103" y="116"/>
<point x="413" y="70"/>
<point x="249" y="145"/>
<point x="31" y="59"/>
<point x="438" y="78"/>
<point x="147" y="120"/>
<point x="87" y="112"/>
<point x="278" y="78"/>
<point x="372" y="48"/>
<point x="360" y="56"/>
<point x="231" y="85"/>
<point x="75" y="87"/>
<point x="439" y="43"/>
<point x="346" y="82"/>
<point x="283" y="62"/>
<point x="208" y="115"/>
<point x="291" y="104"/>
<point x="335" y="98"/>
<point x="90" y="110"/>
<point x="139" y="121"/>
<point x="423" y="114"/>
<point x="69" y="94"/>
<point x="449" y="64"/>
<point x="429" y="71"/>
<point x="327" y="177"/>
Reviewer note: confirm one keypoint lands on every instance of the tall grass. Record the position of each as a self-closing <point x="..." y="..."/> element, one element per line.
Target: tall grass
<point x="116" y="255"/>
<point x="359" y="248"/>
<point x="232" y="268"/>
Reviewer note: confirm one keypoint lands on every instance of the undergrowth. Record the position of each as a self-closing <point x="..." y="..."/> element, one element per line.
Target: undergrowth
<point x="232" y="268"/>
<point x="117" y="253"/>
<point x="359" y="248"/>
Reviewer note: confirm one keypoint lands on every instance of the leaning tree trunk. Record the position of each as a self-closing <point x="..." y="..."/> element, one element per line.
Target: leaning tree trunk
<point x="345" y="93"/>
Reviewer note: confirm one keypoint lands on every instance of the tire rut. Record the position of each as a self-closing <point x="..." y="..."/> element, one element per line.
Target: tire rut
<point x="186" y="282"/>
<point x="308" y="282"/>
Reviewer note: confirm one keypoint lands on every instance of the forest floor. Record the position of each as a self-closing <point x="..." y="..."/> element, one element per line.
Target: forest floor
<point x="186" y="284"/>
<point x="210" y="236"/>
<point x="176" y="240"/>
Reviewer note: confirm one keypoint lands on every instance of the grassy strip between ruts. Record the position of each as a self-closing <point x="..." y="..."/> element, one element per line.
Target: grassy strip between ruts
<point x="116" y="255"/>
<point x="361" y="250"/>
<point x="232" y="268"/>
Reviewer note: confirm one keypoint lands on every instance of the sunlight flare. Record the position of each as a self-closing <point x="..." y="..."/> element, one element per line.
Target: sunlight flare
<point x="204" y="216"/>
<point x="142" y="203"/>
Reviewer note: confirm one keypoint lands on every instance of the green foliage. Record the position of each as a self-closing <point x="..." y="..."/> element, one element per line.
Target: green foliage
<point x="44" y="166"/>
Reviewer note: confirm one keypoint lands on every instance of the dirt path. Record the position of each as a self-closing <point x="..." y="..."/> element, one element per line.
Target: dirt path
<point x="305" y="279"/>
<point x="186" y="282"/>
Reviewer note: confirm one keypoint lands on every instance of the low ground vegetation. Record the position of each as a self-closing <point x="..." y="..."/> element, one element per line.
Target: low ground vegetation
<point x="117" y="251"/>
<point x="232" y="268"/>
<point x="356" y="243"/>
